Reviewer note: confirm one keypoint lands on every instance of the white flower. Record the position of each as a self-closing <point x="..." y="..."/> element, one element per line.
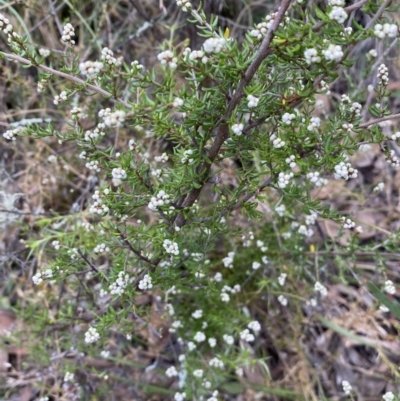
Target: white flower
<point x="171" y="372"/>
<point x="346" y="387"/>
<point x="68" y="34"/>
<point x="280" y="210"/>
<point x="68" y="377"/>
<point x="167" y="58"/>
<point x="228" y="339"/>
<point x="282" y="279"/>
<point x="216" y="362"/>
<point x="171" y="247"/>
<point x="291" y="161"/>
<point x="159" y="200"/>
<point x="383" y="75"/>
<point x="198" y="314"/>
<point x="186" y="157"/>
<point x="338" y="14"/>
<point x="252" y="101"/>
<point x="348" y="223"/>
<point x="315" y="178"/>
<point x="282" y="300"/>
<point x="62" y="97"/>
<point x="247" y="336"/>
<point x="287" y="118"/>
<point x="237" y="129"/>
<point x="311" y="56"/>
<point x="198" y="373"/>
<point x="107" y="56"/>
<point x="118" y="287"/>
<point x="284" y="179"/>
<point x="44" y="52"/>
<point x="162" y="159"/>
<point x="315" y="122"/>
<point x="392" y="159"/>
<point x="255" y="326"/>
<point x="91" y="68"/>
<point x="5" y="25"/>
<point x="184" y="4"/>
<point x="344" y="170"/>
<point x="119" y="173"/>
<point x="389" y="396"/>
<point x="199" y="337"/>
<point x="380" y="187"/>
<point x="390" y="30"/>
<point x="389" y="287"/>
<point x="91" y="336"/>
<point x="178" y="102"/>
<point x="114" y="119"/>
<point x="37" y="278"/>
<point x="277" y="142"/>
<point x="225" y="297"/>
<point x="256" y="265"/>
<point x="333" y="52"/>
<point x="383" y="308"/>
<point x="179" y="396"/>
<point x="105" y="354"/>
<point x="228" y="260"/>
<point x="318" y="287"/>
<point x="101" y="248"/>
<point x="214" y="45"/>
<point x="145" y="283"/>
<point x="212" y="342"/>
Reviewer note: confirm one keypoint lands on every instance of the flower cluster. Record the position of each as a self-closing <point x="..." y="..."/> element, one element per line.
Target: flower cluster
<point x="333" y="52"/>
<point x="107" y="56"/>
<point x="145" y="283"/>
<point x="389" y="30"/>
<point x="171" y="247"/>
<point x="167" y="58"/>
<point x="214" y="45"/>
<point x="68" y="34"/>
<point x="62" y="97"/>
<point x="318" y="287"/>
<point x="184" y="4"/>
<point x="311" y="56"/>
<point x="92" y="335"/>
<point x="284" y="179"/>
<point x="338" y="14"/>
<point x="252" y="101"/>
<point x="11" y="134"/>
<point x="5" y="25"/>
<point x="118" y="287"/>
<point x="344" y="170"/>
<point x="112" y="118"/>
<point x="348" y="223"/>
<point x="389" y="287"/>
<point x="91" y="68"/>
<point x="237" y="129"/>
<point x="160" y="199"/>
<point x="98" y="207"/>
<point x="383" y="75"/>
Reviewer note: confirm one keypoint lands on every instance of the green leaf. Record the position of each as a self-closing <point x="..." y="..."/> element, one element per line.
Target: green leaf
<point x="321" y="15"/>
<point x="394" y="307"/>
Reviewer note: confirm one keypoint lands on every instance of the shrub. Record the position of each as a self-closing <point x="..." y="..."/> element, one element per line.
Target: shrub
<point x="196" y="232"/>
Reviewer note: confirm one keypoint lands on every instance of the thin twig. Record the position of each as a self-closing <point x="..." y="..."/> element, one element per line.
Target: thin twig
<point x="94" y="268"/>
<point x="378" y="120"/>
<point x="135" y="251"/>
<point x="66" y="76"/>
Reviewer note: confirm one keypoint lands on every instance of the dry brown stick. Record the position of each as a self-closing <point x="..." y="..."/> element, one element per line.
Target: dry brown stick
<point x="223" y="130"/>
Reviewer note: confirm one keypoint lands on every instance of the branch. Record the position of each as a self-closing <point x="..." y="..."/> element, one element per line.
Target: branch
<point x="378" y="120"/>
<point x="136" y="252"/>
<point x="66" y="76"/>
<point x="223" y="131"/>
